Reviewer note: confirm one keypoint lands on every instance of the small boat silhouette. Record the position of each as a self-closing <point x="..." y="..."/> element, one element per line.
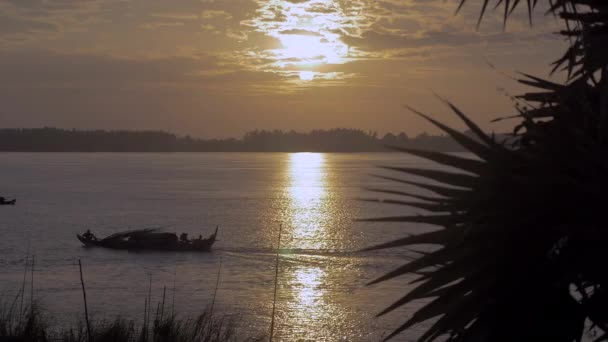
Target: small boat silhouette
<point x="149" y="239"/>
<point x="3" y="201"/>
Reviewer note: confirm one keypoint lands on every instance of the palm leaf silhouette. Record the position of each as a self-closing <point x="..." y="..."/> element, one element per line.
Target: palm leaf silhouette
<point x="495" y="234"/>
<point x="521" y="233"/>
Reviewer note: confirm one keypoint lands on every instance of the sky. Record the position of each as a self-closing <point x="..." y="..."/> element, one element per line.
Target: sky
<point x="219" y="68"/>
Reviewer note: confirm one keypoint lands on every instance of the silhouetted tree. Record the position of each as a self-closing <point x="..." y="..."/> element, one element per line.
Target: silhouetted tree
<point x="522" y="237"/>
<point x="334" y="140"/>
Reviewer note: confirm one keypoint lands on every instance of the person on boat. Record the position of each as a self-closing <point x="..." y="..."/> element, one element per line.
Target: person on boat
<point x="88" y="235"/>
<point x="183" y="237"/>
<point x="2" y="199"/>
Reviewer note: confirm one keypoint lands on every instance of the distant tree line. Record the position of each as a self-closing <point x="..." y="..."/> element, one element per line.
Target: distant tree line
<point x="333" y="140"/>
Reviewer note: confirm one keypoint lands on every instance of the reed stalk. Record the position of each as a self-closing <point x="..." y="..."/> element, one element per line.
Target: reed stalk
<point x="276" y="281"/>
<point x="217" y="284"/>
<point x="27" y="257"/>
<point x="32" y="284"/>
<point x="157" y="312"/>
<point x="149" y="305"/>
<point x="86" y="309"/>
<point x="22" y="292"/>
<point x="173" y="299"/>
<point x="162" y="308"/>
<point x="144" y="328"/>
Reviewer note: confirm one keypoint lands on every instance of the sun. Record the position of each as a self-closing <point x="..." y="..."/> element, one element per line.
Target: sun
<point x="307" y="75"/>
<point x="309" y="48"/>
<point x="308" y="36"/>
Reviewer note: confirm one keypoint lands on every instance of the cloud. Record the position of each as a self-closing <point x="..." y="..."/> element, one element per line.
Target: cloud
<point x="301" y="32"/>
<point x="175" y="15"/>
<point x="237" y="35"/>
<point x="273" y="14"/>
<point x="379" y="41"/>
<point x="13" y="25"/>
<point x="42" y="67"/>
<point x="321" y="8"/>
<point x="212" y="14"/>
<point x="47" y="5"/>
<point x="32" y="21"/>
<point x="85" y="56"/>
<point x="162" y="24"/>
<point x="373" y="41"/>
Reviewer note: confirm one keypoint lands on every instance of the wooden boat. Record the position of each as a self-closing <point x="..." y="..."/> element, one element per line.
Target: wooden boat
<point x="149" y="239"/>
<point x="5" y="202"/>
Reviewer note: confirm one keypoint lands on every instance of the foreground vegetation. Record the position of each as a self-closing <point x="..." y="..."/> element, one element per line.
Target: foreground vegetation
<point x="33" y="326"/>
<point x="521" y="231"/>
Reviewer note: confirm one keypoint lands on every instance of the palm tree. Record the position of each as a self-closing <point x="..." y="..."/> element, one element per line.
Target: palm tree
<point x="521" y="235"/>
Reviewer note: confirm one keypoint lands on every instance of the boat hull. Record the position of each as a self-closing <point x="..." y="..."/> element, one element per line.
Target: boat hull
<point x="13" y="202"/>
<point x="203" y="245"/>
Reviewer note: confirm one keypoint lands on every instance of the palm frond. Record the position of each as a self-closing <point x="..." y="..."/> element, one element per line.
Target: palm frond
<point x="522" y="225"/>
<point x="491" y="234"/>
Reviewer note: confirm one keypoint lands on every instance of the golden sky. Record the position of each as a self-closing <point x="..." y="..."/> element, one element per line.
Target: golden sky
<point x="217" y="68"/>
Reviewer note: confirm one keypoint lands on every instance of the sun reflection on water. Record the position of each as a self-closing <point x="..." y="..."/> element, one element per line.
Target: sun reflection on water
<point x="308" y="294"/>
<point x="307" y="305"/>
<point x="308" y="200"/>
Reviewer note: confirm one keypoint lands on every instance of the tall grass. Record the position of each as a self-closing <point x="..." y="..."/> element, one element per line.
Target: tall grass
<point x="33" y="326"/>
<point x="27" y="325"/>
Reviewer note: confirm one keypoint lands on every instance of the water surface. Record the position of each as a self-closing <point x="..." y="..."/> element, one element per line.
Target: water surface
<point x="313" y="197"/>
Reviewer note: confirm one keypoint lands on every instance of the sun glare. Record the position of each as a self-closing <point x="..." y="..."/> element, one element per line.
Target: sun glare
<point x="309" y="49"/>
<point x="307" y="33"/>
<point x="303" y="47"/>
<point x="307" y="75"/>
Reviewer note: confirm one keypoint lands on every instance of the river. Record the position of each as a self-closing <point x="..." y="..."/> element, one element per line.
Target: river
<point x="311" y="197"/>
